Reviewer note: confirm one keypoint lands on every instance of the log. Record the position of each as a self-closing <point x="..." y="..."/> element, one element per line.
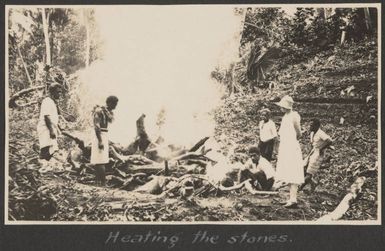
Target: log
<point x="344" y="205"/>
<point x="12" y="100"/>
<point x="78" y="141"/>
<point x="129" y="182"/>
<point x="28" y="104"/>
<point x="114" y="205"/>
<point x="199" y="144"/>
<point x="115" y="179"/>
<point x="147" y="168"/>
<point x="191" y="155"/>
<point x="154" y="186"/>
<point x="86" y="150"/>
<point x="133" y="159"/>
<point x="198" y="162"/>
<point x="181" y="179"/>
<point x="120" y="173"/>
<point x="137" y="159"/>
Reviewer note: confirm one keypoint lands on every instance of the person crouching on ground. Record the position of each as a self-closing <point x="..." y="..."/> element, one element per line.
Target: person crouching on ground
<point x="267" y="135"/>
<point x="47" y="127"/>
<point x="102" y="116"/>
<point x="320" y="141"/>
<point x="258" y="169"/>
<point x="289" y="160"/>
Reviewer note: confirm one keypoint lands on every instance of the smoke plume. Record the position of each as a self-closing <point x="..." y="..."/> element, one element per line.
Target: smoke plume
<point x="161" y="57"/>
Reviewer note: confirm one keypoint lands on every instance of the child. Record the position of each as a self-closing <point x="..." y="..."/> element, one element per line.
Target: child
<point x="267" y="134"/>
<point x="320" y="141"/>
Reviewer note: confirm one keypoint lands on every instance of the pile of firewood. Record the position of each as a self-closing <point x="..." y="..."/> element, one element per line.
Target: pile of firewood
<point x="146" y="171"/>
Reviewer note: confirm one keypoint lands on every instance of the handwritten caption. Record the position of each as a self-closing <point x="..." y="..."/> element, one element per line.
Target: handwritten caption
<point x="199" y="237"/>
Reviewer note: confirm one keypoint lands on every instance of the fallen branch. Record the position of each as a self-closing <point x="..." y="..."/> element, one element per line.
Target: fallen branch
<point x="78" y="141"/>
<point x="133" y="159"/>
<point x="155" y="186"/>
<point x="344" y="205"/>
<point x="198" y="162"/>
<point x="180" y="181"/>
<point x="28" y="104"/>
<point x="144" y="168"/>
<point x="191" y="155"/>
<point x="12" y="100"/>
<point x="199" y="144"/>
<point x="137" y="159"/>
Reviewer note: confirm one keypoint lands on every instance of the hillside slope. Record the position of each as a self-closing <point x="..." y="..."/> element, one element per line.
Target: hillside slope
<point x="330" y="86"/>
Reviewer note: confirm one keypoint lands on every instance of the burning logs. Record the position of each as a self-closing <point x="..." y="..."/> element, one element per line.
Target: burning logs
<point x="177" y="173"/>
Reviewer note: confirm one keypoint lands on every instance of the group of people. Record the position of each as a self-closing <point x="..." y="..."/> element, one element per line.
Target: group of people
<point x="291" y="168"/>
<point x="48" y="129"/>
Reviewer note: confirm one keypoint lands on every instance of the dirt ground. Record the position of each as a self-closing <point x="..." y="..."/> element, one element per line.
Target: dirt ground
<point x="355" y="151"/>
<point x="336" y="91"/>
<point x="81" y="202"/>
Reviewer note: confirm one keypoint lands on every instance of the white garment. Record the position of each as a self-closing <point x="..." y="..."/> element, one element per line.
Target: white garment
<point x="48" y="107"/>
<point x="289" y="160"/>
<point x="319" y="138"/>
<point x="315" y="158"/>
<point x="267" y="131"/>
<point x="99" y="156"/>
<point x="263" y="165"/>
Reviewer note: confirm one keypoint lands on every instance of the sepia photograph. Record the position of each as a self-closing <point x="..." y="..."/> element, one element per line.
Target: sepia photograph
<point x="193" y="114"/>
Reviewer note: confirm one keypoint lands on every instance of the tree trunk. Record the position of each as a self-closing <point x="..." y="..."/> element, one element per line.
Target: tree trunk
<point x="45" y="19"/>
<point x="88" y="40"/>
<point x="321" y="12"/>
<point x="344" y="205"/>
<point x="367" y="19"/>
<point x="328" y="12"/>
<point x="343" y="36"/>
<point x="24" y="65"/>
<point x="232" y="88"/>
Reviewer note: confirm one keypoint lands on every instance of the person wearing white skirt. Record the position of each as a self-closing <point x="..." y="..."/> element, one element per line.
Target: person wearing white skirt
<point x="289" y="161"/>
<point x="102" y="116"/>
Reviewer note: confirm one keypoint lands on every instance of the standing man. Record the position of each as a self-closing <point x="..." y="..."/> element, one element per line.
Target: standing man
<point x="47" y="127"/>
<point x="142" y="141"/>
<point x="267" y="135"/>
<point x="102" y="116"/>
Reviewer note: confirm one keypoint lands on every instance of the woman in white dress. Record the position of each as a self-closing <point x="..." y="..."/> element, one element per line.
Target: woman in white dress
<point x="289" y="161"/>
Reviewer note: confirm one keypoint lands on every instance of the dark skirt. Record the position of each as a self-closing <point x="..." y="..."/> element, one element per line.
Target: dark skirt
<point x="266" y="149"/>
<point x="259" y="179"/>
